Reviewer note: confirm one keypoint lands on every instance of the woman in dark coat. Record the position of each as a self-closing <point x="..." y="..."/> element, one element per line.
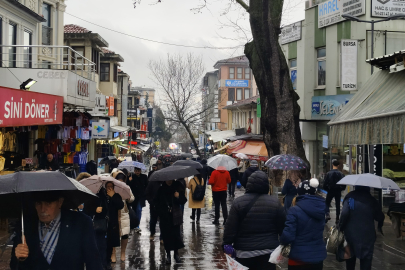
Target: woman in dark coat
<point x="360" y="209"/>
<point x="290" y="188"/>
<point x="115" y="204"/>
<point x="169" y="198"/>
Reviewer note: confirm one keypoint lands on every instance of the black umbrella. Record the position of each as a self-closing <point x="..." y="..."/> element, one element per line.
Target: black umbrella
<point x="107" y="160"/>
<point x="190" y="163"/>
<point x="20" y="187"/>
<point x="172" y="173"/>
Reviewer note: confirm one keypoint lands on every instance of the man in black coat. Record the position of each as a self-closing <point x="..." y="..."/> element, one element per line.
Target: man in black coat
<point x="138" y="183"/>
<point x="254" y="166"/>
<point x="205" y="171"/>
<point x="360" y="209"/>
<point x="55" y="238"/>
<point x="234" y="179"/>
<point x="334" y="191"/>
<point x="256" y="230"/>
<point x="150" y="193"/>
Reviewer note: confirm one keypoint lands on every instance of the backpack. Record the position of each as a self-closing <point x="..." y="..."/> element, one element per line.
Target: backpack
<point x="199" y="192"/>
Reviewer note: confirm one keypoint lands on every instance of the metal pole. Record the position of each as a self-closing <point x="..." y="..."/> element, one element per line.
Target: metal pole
<point x="372" y="44"/>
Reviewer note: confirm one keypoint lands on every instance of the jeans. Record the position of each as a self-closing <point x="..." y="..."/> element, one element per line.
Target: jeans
<point x="198" y="210"/>
<point x="257" y="263"/>
<point x="365" y="264"/>
<point x="219" y="198"/>
<point x="153" y="219"/>
<point x="334" y="195"/>
<point x="314" y="266"/>
<point x="138" y="211"/>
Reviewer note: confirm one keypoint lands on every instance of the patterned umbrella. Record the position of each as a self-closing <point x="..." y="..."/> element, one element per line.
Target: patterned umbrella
<point x="286" y="163"/>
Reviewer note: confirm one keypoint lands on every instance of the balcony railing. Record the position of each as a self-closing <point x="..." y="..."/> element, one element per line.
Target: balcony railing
<point x="47" y="57"/>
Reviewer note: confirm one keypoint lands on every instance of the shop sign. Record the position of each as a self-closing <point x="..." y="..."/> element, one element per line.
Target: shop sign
<point x="236" y="83"/>
<point x="291" y="33"/>
<point x="259" y="109"/>
<point x="144" y="128"/>
<point x="99" y="130"/>
<point x="110" y="104"/>
<point x="386" y="8"/>
<point x="348" y="64"/>
<point x="82" y="88"/>
<point x="362" y="159"/>
<point x="376" y="162"/>
<point x="330" y="12"/>
<point x="27" y="108"/>
<point x="143" y="136"/>
<point x="325" y="107"/>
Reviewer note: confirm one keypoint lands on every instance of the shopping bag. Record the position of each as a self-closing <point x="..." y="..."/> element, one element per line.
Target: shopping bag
<point x="233" y="264"/>
<point x="276" y="257"/>
<point x="238" y="185"/>
<point x="334" y="239"/>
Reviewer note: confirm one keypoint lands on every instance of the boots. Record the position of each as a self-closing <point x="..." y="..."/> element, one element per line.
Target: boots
<point x="176" y="257"/>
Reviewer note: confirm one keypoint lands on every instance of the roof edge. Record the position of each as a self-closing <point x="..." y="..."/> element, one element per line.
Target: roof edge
<point x="27" y="10"/>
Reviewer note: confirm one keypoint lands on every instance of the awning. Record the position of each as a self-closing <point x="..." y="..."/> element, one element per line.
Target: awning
<point x="254" y="150"/>
<point x="218" y="136"/>
<point x="374" y="115"/>
<point x="235" y="146"/>
<point x="143" y="147"/>
<point x="119" y="129"/>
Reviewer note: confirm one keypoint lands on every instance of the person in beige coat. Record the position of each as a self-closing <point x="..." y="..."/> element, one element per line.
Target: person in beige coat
<point x="195" y="205"/>
<point x="124" y="221"/>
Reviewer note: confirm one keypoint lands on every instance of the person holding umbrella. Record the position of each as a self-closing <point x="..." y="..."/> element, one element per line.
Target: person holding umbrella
<point x="219" y="180"/>
<point x="138" y="183"/>
<point x="290" y="188"/>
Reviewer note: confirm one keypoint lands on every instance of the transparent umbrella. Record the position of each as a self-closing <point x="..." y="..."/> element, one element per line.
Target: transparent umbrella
<point x="368" y="180"/>
<point x="223" y="161"/>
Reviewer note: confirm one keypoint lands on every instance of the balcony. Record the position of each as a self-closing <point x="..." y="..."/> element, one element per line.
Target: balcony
<point x="47" y="57"/>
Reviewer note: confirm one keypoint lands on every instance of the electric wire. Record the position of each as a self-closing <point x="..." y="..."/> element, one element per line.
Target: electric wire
<point x="156" y="41"/>
<point x="10" y="71"/>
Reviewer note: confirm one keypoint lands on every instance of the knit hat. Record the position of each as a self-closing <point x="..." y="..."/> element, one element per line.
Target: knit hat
<point x="254" y="163"/>
<point x="308" y="187"/>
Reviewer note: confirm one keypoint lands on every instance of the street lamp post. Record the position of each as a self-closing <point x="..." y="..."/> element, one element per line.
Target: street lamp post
<point x="372" y="22"/>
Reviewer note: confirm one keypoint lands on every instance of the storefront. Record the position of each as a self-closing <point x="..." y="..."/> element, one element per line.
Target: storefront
<point x="372" y="126"/>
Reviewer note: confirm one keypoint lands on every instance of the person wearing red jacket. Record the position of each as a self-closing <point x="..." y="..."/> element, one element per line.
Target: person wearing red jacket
<point x="219" y="180"/>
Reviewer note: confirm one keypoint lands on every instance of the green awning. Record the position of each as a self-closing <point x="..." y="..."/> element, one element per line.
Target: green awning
<point x="374" y="115"/>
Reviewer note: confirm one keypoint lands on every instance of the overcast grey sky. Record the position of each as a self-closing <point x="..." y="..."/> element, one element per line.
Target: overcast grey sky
<point x="170" y="21"/>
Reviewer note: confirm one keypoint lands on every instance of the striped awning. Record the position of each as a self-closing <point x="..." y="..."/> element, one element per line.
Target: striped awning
<point x="374" y="115"/>
<point x="235" y="146"/>
<point x="255" y="150"/>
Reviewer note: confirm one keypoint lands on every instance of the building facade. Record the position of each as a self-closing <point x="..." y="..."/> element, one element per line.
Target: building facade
<point x="210" y="100"/>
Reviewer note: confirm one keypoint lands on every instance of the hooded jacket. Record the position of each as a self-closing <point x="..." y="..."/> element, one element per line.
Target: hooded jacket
<point x="262" y="225"/>
<point x="219" y="180"/>
<point x="304" y="229"/>
<point x="247" y="174"/>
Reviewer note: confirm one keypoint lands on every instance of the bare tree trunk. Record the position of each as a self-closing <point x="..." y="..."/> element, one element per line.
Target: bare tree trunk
<point x="192" y="138"/>
<point x="280" y="110"/>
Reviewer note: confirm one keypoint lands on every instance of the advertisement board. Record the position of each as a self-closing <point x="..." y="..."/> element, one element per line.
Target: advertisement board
<point x="290" y="33"/>
<point x="348" y="66"/>
<point x="330" y="12"/>
<point x="99" y="130"/>
<point x="386" y="8"/>
<point x="325" y="107"/>
<point x="110" y="105"/>
<point x="236" y="83"/>
<point x="26" y="108"/>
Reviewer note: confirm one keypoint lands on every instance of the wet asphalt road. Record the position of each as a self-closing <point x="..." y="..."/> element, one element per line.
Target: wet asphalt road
<point x="203" y="246"/>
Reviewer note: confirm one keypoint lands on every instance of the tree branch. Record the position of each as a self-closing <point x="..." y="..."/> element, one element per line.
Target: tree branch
<point x="243" y="4"/>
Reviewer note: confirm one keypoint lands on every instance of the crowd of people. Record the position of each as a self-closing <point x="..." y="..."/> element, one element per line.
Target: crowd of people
<point x="255" y="226"/>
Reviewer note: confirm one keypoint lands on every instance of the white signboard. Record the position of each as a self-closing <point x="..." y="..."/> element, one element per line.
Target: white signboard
<point x="330" y="12"/>
<point x="348" y="64"/>
<point x="291" y="33"/>
<point x="215" y="120"/>
<point x="99" y="130"/>
<point x="386" y="8"/>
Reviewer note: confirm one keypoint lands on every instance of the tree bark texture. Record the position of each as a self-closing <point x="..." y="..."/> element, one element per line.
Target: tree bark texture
<point x="280" y="109"/>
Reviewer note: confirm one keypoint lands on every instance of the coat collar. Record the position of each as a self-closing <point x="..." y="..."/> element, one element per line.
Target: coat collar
<point x="65" y="229"/>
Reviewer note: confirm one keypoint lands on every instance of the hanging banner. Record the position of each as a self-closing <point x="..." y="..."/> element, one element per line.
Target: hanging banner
<point x="259" y="109"/>
<point x="348" y="64"/>
<point x="26" y="108"/>
<point x="386" y="8"/>
<point x="330" y="12"/>
<point x="291" y="33"/>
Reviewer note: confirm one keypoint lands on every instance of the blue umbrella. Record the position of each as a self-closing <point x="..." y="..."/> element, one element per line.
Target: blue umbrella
<point x="130" y="165"/>
<point x="368" y="180"/>
<point x="286" y="163"/>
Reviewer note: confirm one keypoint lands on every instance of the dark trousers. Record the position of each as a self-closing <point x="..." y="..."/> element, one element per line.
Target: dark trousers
<point x="153" y="219"/>
<point x="334" y="195"/>
<point x="365" y="264"/>
<point x="219" y="198"/>
<point x="109" y="253"/>
<point x="257" y="263"/>
<point x="198" y="210"/>
<point x="102" y="248"/>
<point x="315" y="266"/>
<point x="231" y="188"/>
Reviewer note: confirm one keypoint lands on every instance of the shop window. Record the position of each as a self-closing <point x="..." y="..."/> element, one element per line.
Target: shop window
<point x="293" y="72"/>
<point x="247" y="93"/>
<point x="231" y="94"/>
<point x="77" y="58"/>
<point x="240" y="73"/>
<point x="105" y="72"/>
<point x="47" y="25"/>
<point x="27" y="51"/>
<point x="321" y="67"/>
<point x="231" y="73"/>
<point x="12" y="40"/>
<point x="247" y="73"/>
<point x="115" y="73"/>
<point x="239" y="94"/>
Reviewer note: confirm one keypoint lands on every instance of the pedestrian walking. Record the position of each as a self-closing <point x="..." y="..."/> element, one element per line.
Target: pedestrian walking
<point x="150" y="194"/>
<point x="234" y="173"/>
<point x="334" y="191"/>
<point x="167" y="202"/>
<point x="138" y="183"/>
<point x="124" y="220"/>
<point x="219" y="181"/>
<point x="304" y="228"/>
<point x="254" y="166"/>
<point x="205" y="171"/>
<point x="242" y="168"/>
<point x="360" y="209"/>
<point x="255" y="222"/>
<point x="290" y="188"/>
<point x="195" y="183"/>
<point x="51" y="234"/>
